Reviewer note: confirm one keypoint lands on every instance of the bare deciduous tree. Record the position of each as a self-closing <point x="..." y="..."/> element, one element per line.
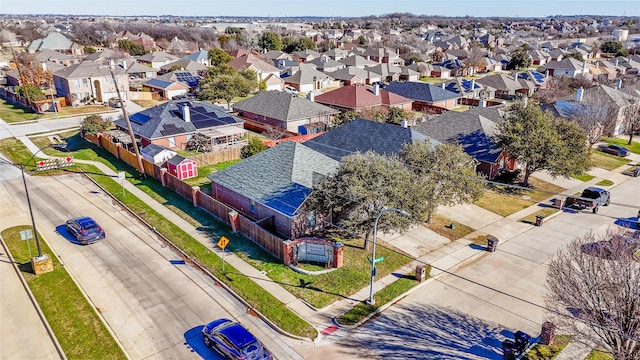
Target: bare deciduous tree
<point x="593" y="116"/>
<point x="593" y="292"/>
<point x="631" y="113"/>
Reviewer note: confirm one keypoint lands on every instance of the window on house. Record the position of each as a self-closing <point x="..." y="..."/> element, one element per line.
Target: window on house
<point x="85" y="82"/>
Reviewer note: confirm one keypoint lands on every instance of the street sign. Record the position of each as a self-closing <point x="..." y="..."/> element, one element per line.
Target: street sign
<point x="376" y="260"/>
<point x="26" y="234"/>
<point x="121" y="175"/>
<point x="223" y="242"/>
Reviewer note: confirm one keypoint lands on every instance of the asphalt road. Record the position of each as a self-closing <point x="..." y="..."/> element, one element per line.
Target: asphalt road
<point x="467" y="315"/>
<point x="153" y="303"/>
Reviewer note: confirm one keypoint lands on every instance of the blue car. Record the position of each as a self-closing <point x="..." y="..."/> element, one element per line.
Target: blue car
<point x="614" y="150"/>
<point x="233" y="341"/>
<point x="85" y="230"/>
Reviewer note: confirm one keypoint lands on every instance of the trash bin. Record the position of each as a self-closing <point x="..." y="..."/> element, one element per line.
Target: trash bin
<point x="521" y="340"/>
<point x="492" y="243"/>
<point x="508" y="350"/>
<point x="539" y="220"/>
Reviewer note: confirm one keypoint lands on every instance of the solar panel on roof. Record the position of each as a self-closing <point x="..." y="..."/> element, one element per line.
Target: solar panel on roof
<point x="187" y="77"/>
<point x="139" y="118"/>
<point x="159" y="83"/>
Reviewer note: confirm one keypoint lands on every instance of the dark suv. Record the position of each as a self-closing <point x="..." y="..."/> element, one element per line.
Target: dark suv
<point x="85" y="230"/>
<point x="233" y="341"/>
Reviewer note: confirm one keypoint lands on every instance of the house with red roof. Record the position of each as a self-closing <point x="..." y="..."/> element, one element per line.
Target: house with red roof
<point x="361" y="97"/>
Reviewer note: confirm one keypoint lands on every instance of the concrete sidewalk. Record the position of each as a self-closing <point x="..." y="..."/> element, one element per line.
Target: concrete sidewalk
<point x="426" y="246"/>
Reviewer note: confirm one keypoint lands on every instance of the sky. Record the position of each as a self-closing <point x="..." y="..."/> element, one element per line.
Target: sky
<point x="330" y="8"/>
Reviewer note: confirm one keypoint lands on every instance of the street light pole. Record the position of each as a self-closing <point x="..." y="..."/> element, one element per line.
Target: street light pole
<point x="26" y="191"/>
<point x="371" y="300"/>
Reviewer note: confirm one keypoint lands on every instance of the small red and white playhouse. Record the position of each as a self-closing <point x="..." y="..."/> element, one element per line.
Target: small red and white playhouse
<point x="182" y="168"/>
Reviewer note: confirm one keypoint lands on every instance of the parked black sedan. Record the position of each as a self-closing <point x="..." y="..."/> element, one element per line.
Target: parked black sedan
<point x="614" y="150"/>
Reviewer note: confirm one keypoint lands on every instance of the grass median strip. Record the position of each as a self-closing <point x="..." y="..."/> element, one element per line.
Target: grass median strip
<point x="74" y="322"/>
<point x="382" y="297"/>
<point x="548" y="352"/>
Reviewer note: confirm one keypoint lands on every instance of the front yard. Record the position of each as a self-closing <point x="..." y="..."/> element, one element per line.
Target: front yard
<point x="505" y="200"/>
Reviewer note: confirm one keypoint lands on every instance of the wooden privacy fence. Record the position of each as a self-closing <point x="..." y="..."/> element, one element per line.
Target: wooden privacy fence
<point x="218" y="156"/>
<point x="247" y="227"/>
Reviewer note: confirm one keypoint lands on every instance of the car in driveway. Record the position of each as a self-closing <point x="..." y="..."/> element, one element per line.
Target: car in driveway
<point x="85" y="230"/>
<point x="292" y="90"/>
<point x="614" y="149"/>
<point x="233" y="341"/>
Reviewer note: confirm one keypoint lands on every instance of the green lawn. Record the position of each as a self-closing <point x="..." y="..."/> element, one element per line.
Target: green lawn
<point x="607" y="161"/>
<point x="448" y="228"/>
<point x="544" y="212"/>
<point x="583" y="177"/>
<point x="11" y="113"/>
<point x="392" y="291"/>
<point x="604" y="182"/>
<point x="544" y="352"/>
<point x="634" y="147"/>
<point x="505" y="200"/>
<point x="74" y="322"/>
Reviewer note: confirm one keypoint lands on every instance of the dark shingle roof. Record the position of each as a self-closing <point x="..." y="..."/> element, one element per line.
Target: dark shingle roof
<point x="280" y="178"/>
<point x="474" y="130"/>
<point x="361" y="135"/>
<point x="167" y="119"/>
<point x="282" y="106"/>
<point x="421" y="91"/>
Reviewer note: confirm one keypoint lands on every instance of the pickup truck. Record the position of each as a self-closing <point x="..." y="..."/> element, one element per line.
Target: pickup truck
<point x="591" y="198"/>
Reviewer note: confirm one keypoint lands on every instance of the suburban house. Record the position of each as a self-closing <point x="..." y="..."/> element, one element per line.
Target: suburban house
<point x="285" y="111"/>
<point x="165" y="89"/>
<point x="157" y="59"/>
<point x="138" y="71"/>
<point x="507" y="86"/>
<point x="90" y="81"/>
<point x="200" y="56"/>
<point x="360" y="97"/>
<point x="475" y="131"/>
<point x="174" y="122"/>
<point x="271" y="187"/>
<point x="352" y="75"/>
<point x="361" y="135"/>
<point x="357" y="61"/>
<point x="191" y="66"/>
<point x="58" y="42"/>
<point x="568" y="67"/>
<point x="426" y="97"/>
<point x="306" y="78"/>
<point x="465" y="87"/>
<point x="251" y="62"/>
<point x="326" y="64"/>
<point x="48" y="55"/>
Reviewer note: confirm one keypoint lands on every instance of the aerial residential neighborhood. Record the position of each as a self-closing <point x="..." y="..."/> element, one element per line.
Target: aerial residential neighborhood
<point x="306" y="186"/>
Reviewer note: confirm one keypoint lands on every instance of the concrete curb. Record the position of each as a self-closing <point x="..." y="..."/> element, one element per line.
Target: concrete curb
<point x="198" y="266"/>
<point x="34" y="302"/>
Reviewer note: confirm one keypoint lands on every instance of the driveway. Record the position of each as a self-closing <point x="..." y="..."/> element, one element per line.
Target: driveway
<point x="466" y="314"/>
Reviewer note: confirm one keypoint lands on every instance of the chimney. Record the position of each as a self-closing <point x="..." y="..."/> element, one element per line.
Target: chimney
<point x="579" y="94"/>
<point x="310" y="96"/>
<point x="616" y="62"/>
<point x="404" y="123"/>
<point x="483" y="103"/>
<point x="515" y="75"/>
<point x="473" y="85"/>
<point x="186" y="114"/>
<point x="525" y="100"/>
<point x="618" y="84"/>
<point x="546" y="73"/>
<point x="584" y="65"/>
<point x="376" y="89"/>
<point x="44" y="66"/>
<point x="442" y="85"/>
<point x="124" y="64"/>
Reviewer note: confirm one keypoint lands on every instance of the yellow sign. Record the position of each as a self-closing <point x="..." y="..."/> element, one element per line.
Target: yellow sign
<point x="223" y="242"/>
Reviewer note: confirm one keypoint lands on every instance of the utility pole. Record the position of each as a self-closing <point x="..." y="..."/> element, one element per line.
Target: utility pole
<point x="126" y="119"/>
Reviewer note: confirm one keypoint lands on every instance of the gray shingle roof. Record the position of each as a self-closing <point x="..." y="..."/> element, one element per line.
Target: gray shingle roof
<point x="282" y="106"/>
<point x="280" y="178"/>
<point x="166" y="119"/>
<point x="421" y="91"/>
<point x="87" y="69"/>
<point x="474" y="130"/>
<point x="361" y="135"/>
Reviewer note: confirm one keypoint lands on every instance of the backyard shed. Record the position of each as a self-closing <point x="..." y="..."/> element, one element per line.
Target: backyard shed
<point x="182" y="168"/>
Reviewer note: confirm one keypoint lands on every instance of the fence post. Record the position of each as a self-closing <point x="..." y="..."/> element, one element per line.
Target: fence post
<point x="194" y="195"/>
<point x="163" y="175"/>
<point x="118" y="147"/>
